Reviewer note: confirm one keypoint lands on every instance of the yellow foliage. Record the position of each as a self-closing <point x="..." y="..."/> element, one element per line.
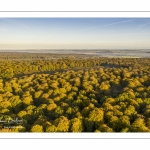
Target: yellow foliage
<point x="37" y="128"/>
<point x="51" y="107"/>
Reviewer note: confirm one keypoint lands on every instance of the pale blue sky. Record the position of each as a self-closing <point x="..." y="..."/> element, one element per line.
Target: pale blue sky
<point x="74" y="33"/>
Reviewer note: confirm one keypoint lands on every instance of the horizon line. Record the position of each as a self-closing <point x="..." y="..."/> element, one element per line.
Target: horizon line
<point x="78" y="49"/>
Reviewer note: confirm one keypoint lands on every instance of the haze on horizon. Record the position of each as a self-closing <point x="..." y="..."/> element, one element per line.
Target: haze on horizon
<point x="74" y="33"/>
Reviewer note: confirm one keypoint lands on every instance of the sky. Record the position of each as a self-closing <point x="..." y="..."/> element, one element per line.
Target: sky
<point x="74" y="33"/>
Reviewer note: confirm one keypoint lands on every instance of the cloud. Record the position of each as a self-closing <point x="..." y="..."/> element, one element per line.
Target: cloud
<point x="12" y="21"/>
<point x="132" y="33"/>
<point x="108" y="24"/>
<point x="143" y="25"/>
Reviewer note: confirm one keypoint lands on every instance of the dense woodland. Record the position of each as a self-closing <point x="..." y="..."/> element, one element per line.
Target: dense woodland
<point x="74" y="93"/>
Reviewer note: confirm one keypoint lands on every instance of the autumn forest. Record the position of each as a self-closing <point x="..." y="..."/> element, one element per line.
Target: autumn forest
<point x="73" y="93"/>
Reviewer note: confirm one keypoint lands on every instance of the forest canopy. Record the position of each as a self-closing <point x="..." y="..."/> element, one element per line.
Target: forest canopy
<point x="74" y="93"/>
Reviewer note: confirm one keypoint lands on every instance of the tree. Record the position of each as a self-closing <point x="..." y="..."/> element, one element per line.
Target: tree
<point x="130" y="111"/>
<point x="76" y="125"/>
<point x="62" y="124"/>
<point x="27" y="100"/>
<point x="51" y="128"/>
<point x="105" y="128"/>
<point x="107" y="107"/>
<point x="22" y="114"/>
<point x="94" y="119"/>
<point x="51" y="107"/>
<point x="124" y="122"/>
<point x="16" y="103"/>
<point x="38" y="94"/>
<point x="58" y="111"/>
<point x="114" y="123"/>
<point x="37" y="128"/>
<point x="139" y="126"/>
